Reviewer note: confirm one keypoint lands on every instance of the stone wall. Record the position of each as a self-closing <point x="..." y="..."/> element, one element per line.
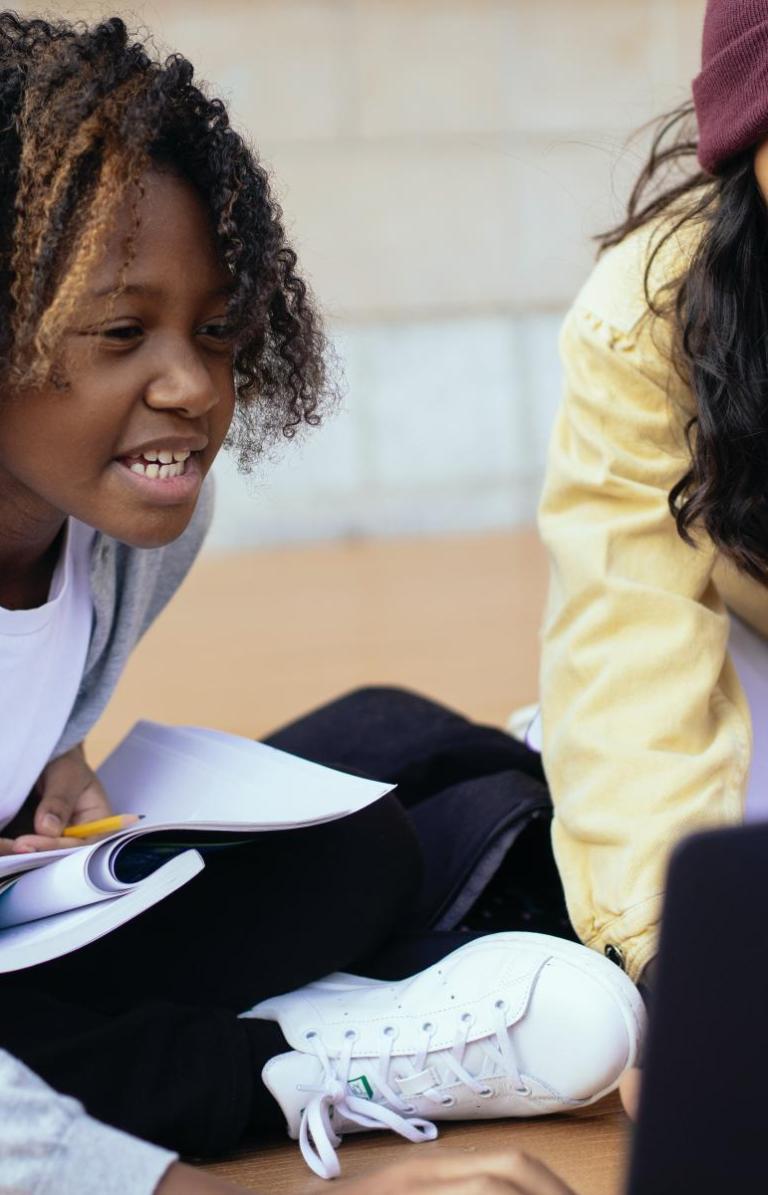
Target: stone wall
<point x="442" y="165"/>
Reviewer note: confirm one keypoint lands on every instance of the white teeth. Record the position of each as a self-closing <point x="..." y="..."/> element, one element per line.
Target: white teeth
<point x="166" y="457"/>
<point x="158" y="471"/>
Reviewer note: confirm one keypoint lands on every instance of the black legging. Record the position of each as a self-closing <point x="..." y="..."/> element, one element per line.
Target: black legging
<point x="140" y="1025"/>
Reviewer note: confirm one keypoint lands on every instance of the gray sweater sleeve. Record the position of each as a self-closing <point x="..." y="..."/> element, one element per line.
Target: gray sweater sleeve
<point x="49" y="1146"/>
<point x="130" y="587"/>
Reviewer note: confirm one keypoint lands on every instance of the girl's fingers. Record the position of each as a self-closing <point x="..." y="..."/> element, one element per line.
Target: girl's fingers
<point x="522" y="1174"/>
<point x="91" y="805"/>
<point x="508" y="1172"/>
<point x="481" y="1184"/>
<point x="526" y="1175"/>
<point x="54" y="812"/>
<point x="26" y="843"/>
<point x="69" y="791"/>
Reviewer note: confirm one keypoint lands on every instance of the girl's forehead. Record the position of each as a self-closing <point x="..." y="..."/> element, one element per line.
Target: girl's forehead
<point x="167" y="240"/>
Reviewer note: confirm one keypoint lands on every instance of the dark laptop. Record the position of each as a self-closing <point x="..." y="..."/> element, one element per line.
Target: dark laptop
<point x="703" y="1123"/>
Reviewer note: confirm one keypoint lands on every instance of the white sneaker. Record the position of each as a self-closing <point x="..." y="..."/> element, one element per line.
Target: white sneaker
<point x="512" y="1024"/>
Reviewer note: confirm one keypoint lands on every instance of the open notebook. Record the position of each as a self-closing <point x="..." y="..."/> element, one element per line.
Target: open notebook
<point x="206" y="786"/>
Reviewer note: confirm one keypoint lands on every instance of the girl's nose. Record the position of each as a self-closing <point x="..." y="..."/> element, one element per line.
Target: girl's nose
<point x="183" y="385"/>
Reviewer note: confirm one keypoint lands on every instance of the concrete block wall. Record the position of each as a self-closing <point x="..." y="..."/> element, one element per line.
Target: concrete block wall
<point x="442" y="165"/>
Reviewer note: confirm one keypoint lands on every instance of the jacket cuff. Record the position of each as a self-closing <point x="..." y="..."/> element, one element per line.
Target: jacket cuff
<point x="95" y="1159"/>
<point x="631" y="939"/>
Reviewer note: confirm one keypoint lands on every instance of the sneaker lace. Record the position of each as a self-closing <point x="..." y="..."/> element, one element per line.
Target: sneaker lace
<point x="318" y="1139"/>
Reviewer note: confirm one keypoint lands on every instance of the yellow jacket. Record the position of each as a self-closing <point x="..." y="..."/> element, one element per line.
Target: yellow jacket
<point x="646" y="729"/>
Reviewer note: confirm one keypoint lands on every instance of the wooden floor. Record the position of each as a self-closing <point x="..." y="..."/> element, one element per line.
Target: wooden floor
<point x="254" y="639"/>
<point x="587" y="1150"/>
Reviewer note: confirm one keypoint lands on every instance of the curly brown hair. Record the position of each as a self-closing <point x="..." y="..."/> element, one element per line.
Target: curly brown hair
<point x="717" y="307"/>
<point x="84" y="112"/>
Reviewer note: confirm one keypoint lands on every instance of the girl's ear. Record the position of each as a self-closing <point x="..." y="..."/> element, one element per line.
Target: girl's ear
<point x="761" y="168"/>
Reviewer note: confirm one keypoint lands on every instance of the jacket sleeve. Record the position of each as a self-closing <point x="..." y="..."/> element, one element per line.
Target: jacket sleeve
<point x="130" y="587"/>
<point x="48" y="1144"/>
<point x="646" y="731"/>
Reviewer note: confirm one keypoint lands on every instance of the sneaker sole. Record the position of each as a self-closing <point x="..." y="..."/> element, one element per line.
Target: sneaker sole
<point x="603" y="971"/>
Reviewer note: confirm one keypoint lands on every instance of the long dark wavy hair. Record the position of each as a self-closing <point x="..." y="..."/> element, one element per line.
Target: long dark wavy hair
<point x="718" y="308"/>
<point x="84" y="112"/>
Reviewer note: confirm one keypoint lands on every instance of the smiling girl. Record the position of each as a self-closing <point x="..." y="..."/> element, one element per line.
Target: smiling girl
<point x="151" y="407"/>
<point x="147" y="284"/>
<point x="150" y="309"/>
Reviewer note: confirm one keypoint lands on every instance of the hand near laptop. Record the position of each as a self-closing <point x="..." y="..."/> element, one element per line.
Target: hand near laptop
<point x="497" y="1172"/>
<point x="68" y="792"/>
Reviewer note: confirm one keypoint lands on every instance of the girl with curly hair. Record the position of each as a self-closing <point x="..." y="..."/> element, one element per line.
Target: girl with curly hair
<point x="655" y="511"/>
<point x="150" y="312"/>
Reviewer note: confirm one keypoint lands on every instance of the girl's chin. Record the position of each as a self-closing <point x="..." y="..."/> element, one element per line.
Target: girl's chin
<point x="147" y="512"/>
<point x="157" y="536"/>
<point x="149" y="532"/>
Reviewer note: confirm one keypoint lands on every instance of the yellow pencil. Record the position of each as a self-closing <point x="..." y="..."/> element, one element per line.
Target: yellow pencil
<point x="105" y="825"/>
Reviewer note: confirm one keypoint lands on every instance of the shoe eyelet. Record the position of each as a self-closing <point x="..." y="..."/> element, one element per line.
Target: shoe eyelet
<point x="350" y="1034"/>
<point x="614" y="954"/>
<point x="389" y="1031"/>
<point x="409" y="1108"/>
<point x="467" y="1017"/>
<point x="310" y="1034"/>
<point x="502" y="1004"/>
<point x="522" y="1090"/>
<point x="486" y="1093"/>
<point x="427" y="1027"/>
<point x="448" y="1102"/>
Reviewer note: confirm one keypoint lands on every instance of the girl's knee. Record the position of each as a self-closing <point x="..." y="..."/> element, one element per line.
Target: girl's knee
<point x="381" y="845"/>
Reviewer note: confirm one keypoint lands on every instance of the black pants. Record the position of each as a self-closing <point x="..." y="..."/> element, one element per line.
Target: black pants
<point x="141" y="1025"/>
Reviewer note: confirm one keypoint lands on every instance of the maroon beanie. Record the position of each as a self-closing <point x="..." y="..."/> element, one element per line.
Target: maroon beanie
<point x="731" y="93"/>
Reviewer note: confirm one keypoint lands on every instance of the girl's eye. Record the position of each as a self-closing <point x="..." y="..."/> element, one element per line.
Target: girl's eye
<point x="130" y="333"/>
<point x="223" y="332"/>
<point x="124" y="332"/>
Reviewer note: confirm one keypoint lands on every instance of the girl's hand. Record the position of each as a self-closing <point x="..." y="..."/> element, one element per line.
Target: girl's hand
<point x="498" y="1172"/>
<point x="181" y="1179"/>
<point x="70" y="793"/>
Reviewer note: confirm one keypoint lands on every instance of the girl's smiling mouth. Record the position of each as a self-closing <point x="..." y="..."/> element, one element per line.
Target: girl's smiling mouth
<point x="162" y="474"/>
<point x="154" y="463"/>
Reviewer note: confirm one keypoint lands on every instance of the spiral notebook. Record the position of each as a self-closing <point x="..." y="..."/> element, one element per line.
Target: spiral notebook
<point x="197" y="790"/>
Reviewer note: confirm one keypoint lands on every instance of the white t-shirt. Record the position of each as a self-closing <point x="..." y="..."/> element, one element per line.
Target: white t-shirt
<point x="42" y="659"/>
<point x="749" y="652"/>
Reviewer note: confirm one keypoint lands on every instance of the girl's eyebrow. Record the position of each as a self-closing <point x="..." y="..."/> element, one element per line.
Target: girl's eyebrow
<point x="148" y="290"/>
